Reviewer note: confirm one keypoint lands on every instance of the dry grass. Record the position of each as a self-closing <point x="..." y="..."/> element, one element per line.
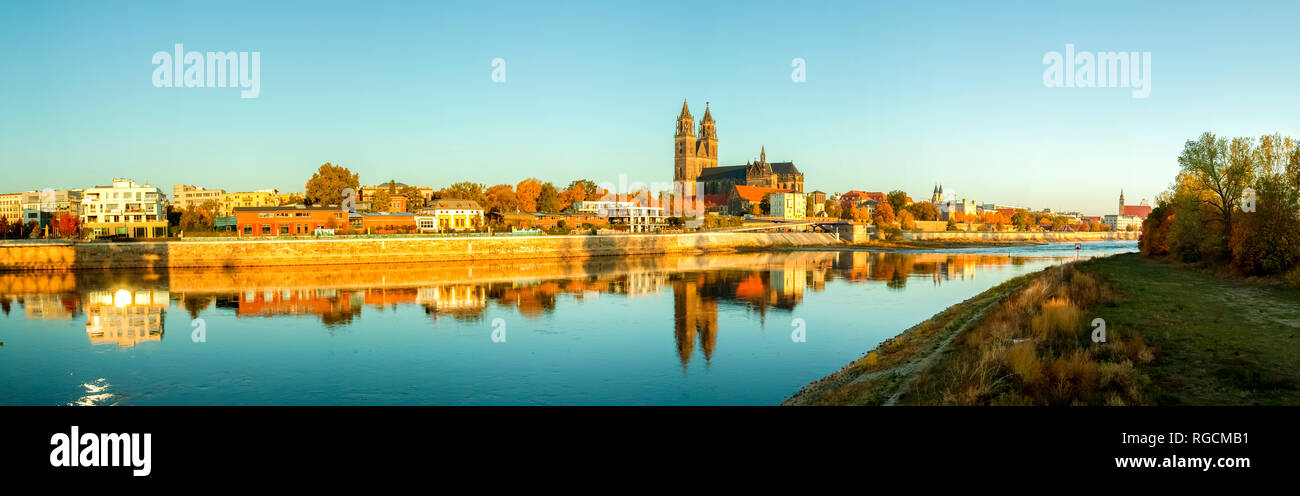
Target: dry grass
<point x="1034" y="349"/>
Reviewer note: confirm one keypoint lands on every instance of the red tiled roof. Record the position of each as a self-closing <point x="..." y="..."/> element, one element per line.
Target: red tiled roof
<point x="755" y="193"/>
<point x="1138" y="210"/>
<point x="715" y="200"/>
<point x="856" y="195"/>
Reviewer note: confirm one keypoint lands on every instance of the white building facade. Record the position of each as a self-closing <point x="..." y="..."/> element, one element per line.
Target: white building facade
<point x="789" y="206"/>
<point x="124" y="209"/>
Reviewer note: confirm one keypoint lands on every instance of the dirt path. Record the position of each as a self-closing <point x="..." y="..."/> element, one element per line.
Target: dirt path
<point x="910" y="369"/>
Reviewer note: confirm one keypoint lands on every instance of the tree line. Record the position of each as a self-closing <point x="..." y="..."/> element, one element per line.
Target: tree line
<point x="1235" y="202"/>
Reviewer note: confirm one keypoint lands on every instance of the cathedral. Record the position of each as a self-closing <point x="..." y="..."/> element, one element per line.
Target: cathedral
<point x="695" y="162"/>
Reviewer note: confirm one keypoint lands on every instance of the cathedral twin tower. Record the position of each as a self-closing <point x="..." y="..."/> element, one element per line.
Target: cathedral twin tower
<point x="692" y="155"/>
<point x="696" y="170"/>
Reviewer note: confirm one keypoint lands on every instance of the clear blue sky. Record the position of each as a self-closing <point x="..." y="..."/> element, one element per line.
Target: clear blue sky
<point x="897" y="97"/>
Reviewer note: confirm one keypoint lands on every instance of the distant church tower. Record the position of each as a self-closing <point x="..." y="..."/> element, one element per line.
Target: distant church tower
<point x="937" y="197"/>
<point x="1121" y="202"/>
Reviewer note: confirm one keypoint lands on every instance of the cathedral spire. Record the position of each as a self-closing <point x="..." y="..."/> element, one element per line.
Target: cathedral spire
<point x="686" y="124"/>
<point x="762" y="154"/>
<point x="707" y="116"/>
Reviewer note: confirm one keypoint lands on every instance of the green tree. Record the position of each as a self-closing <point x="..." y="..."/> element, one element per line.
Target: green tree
<point x="465" y="190"/>
<point x="414" y="200"/>
<point x="326" y="186"/>
<point x="1222" y="168"/>
<point x="380" y="200"/>
<point x="1267" y="240"/>
<point x="1021" y="219"/>
<point x="195" y="218"/>
<point x="897" y="200"/>
<point x="548" y="199"/>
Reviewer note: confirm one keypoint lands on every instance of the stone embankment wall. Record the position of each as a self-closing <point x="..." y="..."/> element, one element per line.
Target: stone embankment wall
<point x="258" y="253"/>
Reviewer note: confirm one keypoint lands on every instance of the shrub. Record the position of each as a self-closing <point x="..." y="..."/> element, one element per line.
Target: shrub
<point x="1023" y="360"/>
<point x="1072" y="378"/>
<point x="1058" y="321"/>
<point x="1293" y="277"/>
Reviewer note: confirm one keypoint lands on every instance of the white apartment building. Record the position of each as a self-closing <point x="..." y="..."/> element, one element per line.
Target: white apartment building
<point x="636" y="218"/>
<point x="789" y="206"/>
<point x="1122" y="222"/>
<point x="124" y="208"/>
<point x="184" y="196"/>
<point x="602" y="207"/>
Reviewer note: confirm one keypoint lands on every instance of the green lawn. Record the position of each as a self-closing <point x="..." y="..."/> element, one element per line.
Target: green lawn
<point x="1221" y="341"/>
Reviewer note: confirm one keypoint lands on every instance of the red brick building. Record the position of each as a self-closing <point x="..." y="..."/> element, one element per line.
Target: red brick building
<point x="291" y="220"/>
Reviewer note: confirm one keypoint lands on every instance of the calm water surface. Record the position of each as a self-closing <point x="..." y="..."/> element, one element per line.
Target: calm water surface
<point x="630" y="331"/>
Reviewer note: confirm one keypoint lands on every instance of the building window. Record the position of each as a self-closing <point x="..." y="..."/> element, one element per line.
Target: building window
<point x="266" y="230"/>
<point x="284" y="230"/>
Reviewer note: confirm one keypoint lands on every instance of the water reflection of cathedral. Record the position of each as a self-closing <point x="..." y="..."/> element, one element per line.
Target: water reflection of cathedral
<point x="695" y="314"/>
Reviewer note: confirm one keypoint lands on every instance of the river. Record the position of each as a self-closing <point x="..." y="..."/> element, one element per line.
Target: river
<point x="726" y="329"/>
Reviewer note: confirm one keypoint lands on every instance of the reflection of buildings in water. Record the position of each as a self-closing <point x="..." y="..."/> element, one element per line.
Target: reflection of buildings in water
<point x="786" y="287"/>
<point x="333" y="306"/>
<point x="956" y="268"/>
<point x="51" y="306"/>
<point x="530" y="299"/>
<point x="124" y="317"/>
<point x="895" y="268"/>
<point x="695" y="315"/>
<point x="458" y="300"/>
<point x="382" y="298"/>
<point x="640" y="284"/>
<point x="44" y="296"/>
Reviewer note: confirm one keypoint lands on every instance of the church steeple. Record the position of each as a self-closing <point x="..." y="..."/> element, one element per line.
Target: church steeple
<point x="685" y="123"/>
<point x="762" y="155"/>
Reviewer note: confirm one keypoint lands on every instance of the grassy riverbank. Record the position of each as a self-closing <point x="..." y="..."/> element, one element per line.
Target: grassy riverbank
<point x="1175" y="335"/>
